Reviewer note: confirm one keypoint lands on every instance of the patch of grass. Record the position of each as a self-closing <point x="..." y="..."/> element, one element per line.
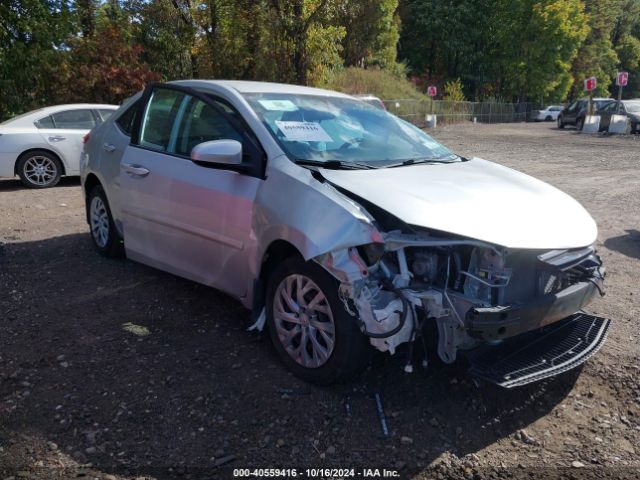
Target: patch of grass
<point x="380" y="83"/>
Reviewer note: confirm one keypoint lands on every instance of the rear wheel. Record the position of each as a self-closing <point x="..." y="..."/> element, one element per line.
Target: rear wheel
<point x="103" y="230"/>
<point x="39" y="169"/>
<point x="310" y="329"/>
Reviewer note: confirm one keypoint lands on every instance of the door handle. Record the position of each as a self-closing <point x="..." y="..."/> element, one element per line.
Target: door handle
<point x="57" y="138"/>
<point x="135" y="170"/>
<point x="108" y="147"/>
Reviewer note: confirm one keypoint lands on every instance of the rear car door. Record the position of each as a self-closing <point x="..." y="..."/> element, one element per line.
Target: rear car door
<point x="63" y="131"/>
<point x="605" y="115"/>
<point x="187" y="217"/>
<point x="569" y="116"/>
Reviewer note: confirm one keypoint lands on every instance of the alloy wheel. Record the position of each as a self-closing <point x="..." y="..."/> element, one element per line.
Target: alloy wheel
<point x="99" y="218"/>
<point x="304" y="321"/>
<point x="40" y="170"/>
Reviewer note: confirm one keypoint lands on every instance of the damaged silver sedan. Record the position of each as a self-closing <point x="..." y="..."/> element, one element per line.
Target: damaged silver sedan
<point x="345" y="229"/>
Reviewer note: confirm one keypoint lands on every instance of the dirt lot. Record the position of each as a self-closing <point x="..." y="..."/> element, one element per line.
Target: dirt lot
<point x="110" y="369"/>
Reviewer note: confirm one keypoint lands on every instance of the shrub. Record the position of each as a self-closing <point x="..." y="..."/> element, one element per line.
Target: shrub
<point x="380" y="83"/>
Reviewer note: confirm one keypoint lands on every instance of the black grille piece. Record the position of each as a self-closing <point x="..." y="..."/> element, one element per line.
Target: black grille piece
<point x="539" y="354"/>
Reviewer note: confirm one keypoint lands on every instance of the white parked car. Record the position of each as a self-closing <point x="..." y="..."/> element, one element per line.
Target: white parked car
<point x="45" y="144"/>
<point x="548" y="114"/>
<point x="343" y="228"/>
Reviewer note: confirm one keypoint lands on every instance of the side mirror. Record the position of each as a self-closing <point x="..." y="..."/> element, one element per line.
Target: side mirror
<point x="226" y="152"/>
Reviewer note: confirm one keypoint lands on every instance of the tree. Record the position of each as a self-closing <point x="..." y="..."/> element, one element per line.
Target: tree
<point x="372" y="32"/>
<point x="597" y="56"/>
<point x="32" y="48"/>
<point x="105" y="67"/>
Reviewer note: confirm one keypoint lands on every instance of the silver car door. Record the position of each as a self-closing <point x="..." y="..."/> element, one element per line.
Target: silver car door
<point x="187" y="218"/>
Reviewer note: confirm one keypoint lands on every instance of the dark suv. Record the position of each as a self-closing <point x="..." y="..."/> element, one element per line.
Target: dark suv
<point x="575" y="113"/>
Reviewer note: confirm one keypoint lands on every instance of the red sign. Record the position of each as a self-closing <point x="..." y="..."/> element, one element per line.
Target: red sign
<point x="590" y="84"/>
<point x="622" y="79"/>
<point x="432" y="91"/>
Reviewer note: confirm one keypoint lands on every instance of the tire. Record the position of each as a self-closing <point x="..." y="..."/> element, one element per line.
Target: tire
<point x="560" y="122"/>
<point x="101" y="226"/>
<point x="580" y="124"/>
<point x="39" y="169"/>
<point x="548" y="118"/>
<point x="340" y="350"/>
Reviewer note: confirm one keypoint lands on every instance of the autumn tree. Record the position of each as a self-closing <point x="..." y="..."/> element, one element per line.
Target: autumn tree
<point x="105" y="67"/>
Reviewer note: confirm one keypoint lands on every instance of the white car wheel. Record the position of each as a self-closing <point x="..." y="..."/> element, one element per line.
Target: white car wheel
<point x="39" y="169"/>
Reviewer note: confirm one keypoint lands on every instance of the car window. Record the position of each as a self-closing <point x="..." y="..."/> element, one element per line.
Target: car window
<point x="46" y="122"/>
<point x="602" y="103"/>
<point x="74" y="119"/>
<point x="125" y="120"/>
<point x="200" y="122"/>
<point x="325" y="128"/>
<point x="105" y="113"/>
<point x="632" y="107"/>
<point x="573" y="106"/>
<point x="158" y="119"/>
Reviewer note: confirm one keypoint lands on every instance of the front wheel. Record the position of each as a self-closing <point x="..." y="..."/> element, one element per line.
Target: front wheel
<point x="103" y="230"/>
<point x="39" y="169"/>
<point x="560" y="123"/>
<point x="580" y="124"/>
<point x="310" y="329"/>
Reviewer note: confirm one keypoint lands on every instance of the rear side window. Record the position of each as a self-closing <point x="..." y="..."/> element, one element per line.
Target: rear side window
<point x="105" y="113"/>
<point x="74" y="119"/>
<point x="127" y="119"/>
<point x="46" y="122"/>
<point x="158" y="119"/>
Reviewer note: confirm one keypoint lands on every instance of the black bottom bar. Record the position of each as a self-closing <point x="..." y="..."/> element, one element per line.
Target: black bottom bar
<point x="539" y="354"/>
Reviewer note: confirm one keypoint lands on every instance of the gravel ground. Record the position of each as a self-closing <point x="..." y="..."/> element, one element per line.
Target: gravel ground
<point x="112" y="370"/>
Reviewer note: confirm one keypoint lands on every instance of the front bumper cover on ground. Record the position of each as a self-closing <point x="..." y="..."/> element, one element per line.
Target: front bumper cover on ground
<point x="539" y="354"/>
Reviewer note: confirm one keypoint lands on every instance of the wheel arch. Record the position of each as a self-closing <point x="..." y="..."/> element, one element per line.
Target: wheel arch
<point x="278" y="251"/>
<point x="40" y="149"/>
<point x="90" y="183"/>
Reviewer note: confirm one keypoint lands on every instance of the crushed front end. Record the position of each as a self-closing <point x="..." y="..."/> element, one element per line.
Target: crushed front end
<point x="478" y="297"/>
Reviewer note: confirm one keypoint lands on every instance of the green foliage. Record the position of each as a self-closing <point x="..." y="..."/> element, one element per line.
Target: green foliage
<point x="597" y="56"/>
<point x="453" y="91"/>
<point x="380" y="83"/>
<point x="513" y="49"/>
<point x="104" y="50"/>
<point x="372" y="33"/>
<point x="32" y="35"/>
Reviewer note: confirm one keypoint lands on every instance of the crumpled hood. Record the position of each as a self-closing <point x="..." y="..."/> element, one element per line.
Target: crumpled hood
<point x="476" y="199"/>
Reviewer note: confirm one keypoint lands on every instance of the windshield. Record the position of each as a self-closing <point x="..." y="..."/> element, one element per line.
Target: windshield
<point x="632" y="107"/>
<point x="325" y="128"/>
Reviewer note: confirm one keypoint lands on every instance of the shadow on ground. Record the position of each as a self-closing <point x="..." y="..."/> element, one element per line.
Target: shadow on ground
<point x="8" y="185"/>
<point x="628" y="244"/>
<point x="141" y="372"/>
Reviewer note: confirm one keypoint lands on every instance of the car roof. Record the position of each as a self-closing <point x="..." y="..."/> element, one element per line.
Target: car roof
<point x="29" y="117"/>
<point x="246" y="86"/>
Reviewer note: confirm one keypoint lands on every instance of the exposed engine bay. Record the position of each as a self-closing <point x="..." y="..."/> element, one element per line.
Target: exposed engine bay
<point x="472" y="292"/>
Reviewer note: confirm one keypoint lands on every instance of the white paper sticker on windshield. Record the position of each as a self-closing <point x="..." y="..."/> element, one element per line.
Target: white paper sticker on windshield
<point x="303" y="131"/>
<point x="278" y="105"/>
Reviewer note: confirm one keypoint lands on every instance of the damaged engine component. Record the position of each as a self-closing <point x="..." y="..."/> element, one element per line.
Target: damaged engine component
<point x="473" y="292"/>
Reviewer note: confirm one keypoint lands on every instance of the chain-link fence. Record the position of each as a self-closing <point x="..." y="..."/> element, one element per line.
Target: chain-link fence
<point x="416" y="111"/>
